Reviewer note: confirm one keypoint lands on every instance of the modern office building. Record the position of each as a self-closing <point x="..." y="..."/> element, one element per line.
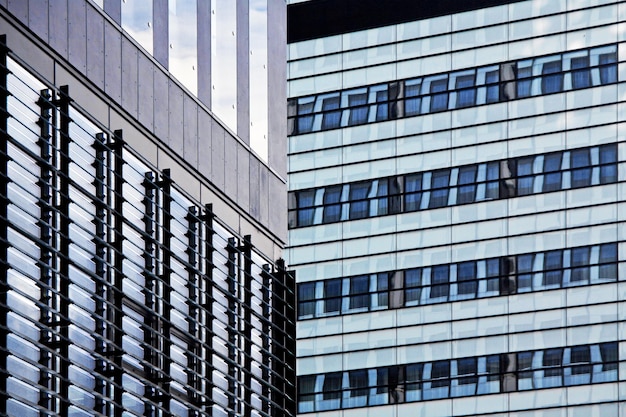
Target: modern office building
<point x="457" y="206"/>
<point x="143" y="209"/>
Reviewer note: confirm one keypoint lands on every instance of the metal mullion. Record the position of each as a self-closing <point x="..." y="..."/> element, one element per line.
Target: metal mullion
<point x="233" y="311"/>
<point x="4" y="203"/>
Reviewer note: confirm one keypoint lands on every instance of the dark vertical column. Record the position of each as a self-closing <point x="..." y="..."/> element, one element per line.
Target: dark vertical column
<point x="4" y="264"/>
<point x="246" y="250"/>
<point x="164" y="329"/>
<point x="48" y="297"/>
<point x="193" y="286"/>
<point x="64" y="245"/>
<point x="207" y="304"/>
<point x="267" y="339"/>
<point x="116" y="297"/>
<point x="233" y="310"/>
<point x="100" y="260"/>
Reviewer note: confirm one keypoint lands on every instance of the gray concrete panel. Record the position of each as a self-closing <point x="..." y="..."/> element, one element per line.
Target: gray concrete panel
<point x="217" y="154"/>
<point x="255" y="186"/>
<point x="114" y="9"/>
<point x="175" y="135"/>
<point x="277" y="207"/>
<point x="160" y="45"/>
<point x="230" y="167"/>
<point x="112" y="62"/>
<point x="243" y="177"/>
<point x="204" y="142"/>
<point x="204" y="52"/>
<point x="161" y="106"/>
<point x="129" y="77"/>
<point x="57" y="27"/>
<point x="77" y="35"/>
<point x="3" y="3"/>
<point x="243" y="71"/>
<point x="264" y="195"/>
<point x="38" y="17"/>
<point x="190" y="130"/>
<point x="145" y="87"/>
<point x="95" y="46"/>
<point x="277" y="87"/>
<point x="19" y="9"/>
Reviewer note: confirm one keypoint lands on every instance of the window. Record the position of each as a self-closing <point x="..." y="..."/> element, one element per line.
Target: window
<point x="608" y="68"/>
<point x="305" y="115"/>
<point x="413" y="378"/>
<point x="466" y="91"/>
<point x="552" y="77"/>
<point x="580" y="264"/>
<point x="552" y="368"/>
<point x="608" y="164"/>
<point x="493" y="180"/>
<point x="382" y="286"/>
<point x="466" y="277"/>
<point x="412" y="192"/>
<point x="413" y="100"/>
<point x="388" y="196"/>
<point x="440" y="188"/>
<point x="358" y="384"/>
<point x="580" y="357"/>
<point x="382" y="105"/>
<point x="306" y="299"/>
<point x="359" y="292"/>
<point x="466" y="371"/>
<point x="524" y="72"/>
<point x="493" y="276"/>
<point x="493" y="88"/>
<point x="332" y="387"/>
<point x="439" y="95"/>
<point x="524" y="272"/>
<point x="306" y="212"/>
<point x="467" y="185"/>
<point x="608" y="261"/>
<point x="440" y="376"/>
<point x="553" y="264"/>
<point x="552" y="172"/>
<point x="332" y="207"/>
<point x="359" y="204"/>
<point x="581" y="76"/>
<point x="440" y="278"/>
<point x="581" y="168"/>
<point x="331" y="117"/>
<point x="525" y="179"/>
<point x="358" y="108"/>
<point x="332" y="296"/>
<point x="608" y="353"/>
<point x="412" y="286"/>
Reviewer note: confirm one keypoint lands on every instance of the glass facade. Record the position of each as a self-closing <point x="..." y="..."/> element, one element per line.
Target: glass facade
<point x="123" y="295"/>
<point x="456" y="208"/>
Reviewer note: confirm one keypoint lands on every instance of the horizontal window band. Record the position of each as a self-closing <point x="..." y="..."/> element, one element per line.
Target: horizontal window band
<point x="433" y="93"/>
<point x="470" y="376"/>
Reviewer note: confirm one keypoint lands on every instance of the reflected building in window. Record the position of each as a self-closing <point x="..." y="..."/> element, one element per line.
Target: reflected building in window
<point x="456" y="207"/>
<point x="144" y="210"/>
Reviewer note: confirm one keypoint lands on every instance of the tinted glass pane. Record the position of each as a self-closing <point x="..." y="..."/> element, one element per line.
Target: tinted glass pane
<point x="466" y="91"/>
<point x="439" y="102"/>
<point x="552" y="78"/>
<point x="581" y="76"/>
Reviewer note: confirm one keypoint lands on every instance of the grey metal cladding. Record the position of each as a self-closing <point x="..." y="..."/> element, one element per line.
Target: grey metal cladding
<point x="19" y="9"/>
<point x="129" y="77"/>
<point x="145" y="85"/>
<point x="243" y="177"/>
<point x="112" y="62"/>
<point x="95" y="46"/>
<point x="38" y="17"/>
<point x="204" y="142"/>
<point x="264" y="194"/>
<point x="77" y="35"/>
<point x="161" y="104"/>
<point x="243" y="72"/>
<point x="204" y="52"/>
<point x="277" y="201"/>
<point x="217" y="154"/>
<point x="57" y="26"/>
<point x="160" y="33"/>
<point x="114" y="9"/>
<point x="175" y="136"/>
<point x="255" y="186"/>
<point x="190" y="130"/>
<point x="277" y="87"/>
<point x="230" y="166"/>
